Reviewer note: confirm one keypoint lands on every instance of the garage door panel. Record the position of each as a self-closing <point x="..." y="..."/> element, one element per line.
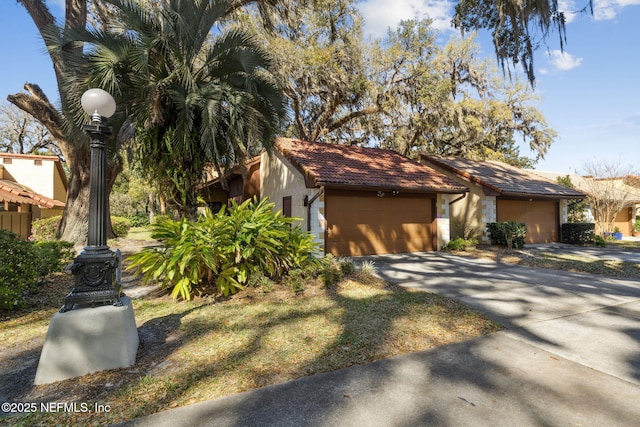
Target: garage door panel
<point x="541" y="218"/>
<point x="360" y="223"/>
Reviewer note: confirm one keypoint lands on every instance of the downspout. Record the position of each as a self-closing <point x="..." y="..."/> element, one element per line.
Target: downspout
<point x="458" y="199"/>
<point x="308" y="202"/>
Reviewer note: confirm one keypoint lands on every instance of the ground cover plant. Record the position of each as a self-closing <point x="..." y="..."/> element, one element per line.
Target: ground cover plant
<point x="211" y="347"/>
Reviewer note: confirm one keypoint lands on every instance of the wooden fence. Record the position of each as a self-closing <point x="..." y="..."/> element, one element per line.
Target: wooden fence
<point x="18" y="222"/>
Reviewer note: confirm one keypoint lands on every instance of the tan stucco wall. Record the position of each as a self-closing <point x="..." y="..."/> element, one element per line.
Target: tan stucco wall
<point x="469" y="212"/>
<point x="278" y="179"/>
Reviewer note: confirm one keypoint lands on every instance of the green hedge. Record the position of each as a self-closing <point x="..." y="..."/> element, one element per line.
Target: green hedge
<point x="510" y="234"/>
<point x="45" y="229"/>
<point x="25" y="263"/>
<point x="578" y="232"/>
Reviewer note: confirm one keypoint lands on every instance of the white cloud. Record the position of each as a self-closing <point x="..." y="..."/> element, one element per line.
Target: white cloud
<point x="569" y="8"/>
<point x="609" y="9"/>
<point x="379" y="15"/>
<point x="563" y="61"/>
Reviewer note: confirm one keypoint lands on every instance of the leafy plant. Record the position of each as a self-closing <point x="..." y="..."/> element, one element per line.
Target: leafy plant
<point x="459" y="244"/>
<point x="578" y="232"/>
<point x="24" y="263"/>
<point x="636" y="225"/>
<point x="120" y="226"/>
<point x="509" y="233"/>
<point x="44" y="228"/>
<point x="225" y="249"/>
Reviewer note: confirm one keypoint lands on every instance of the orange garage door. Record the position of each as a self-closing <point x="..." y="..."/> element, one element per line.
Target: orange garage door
<point x="540" y="217"/>
<point x="361" y="223"/>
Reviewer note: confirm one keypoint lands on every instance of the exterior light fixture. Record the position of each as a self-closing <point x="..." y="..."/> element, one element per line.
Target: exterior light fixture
<point x="95" y="268"/>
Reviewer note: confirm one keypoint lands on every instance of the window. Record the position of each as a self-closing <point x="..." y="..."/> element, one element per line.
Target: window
<point x="286" y="206"/>
<point x="37" y="162"/>
<point x="6" y="161"/>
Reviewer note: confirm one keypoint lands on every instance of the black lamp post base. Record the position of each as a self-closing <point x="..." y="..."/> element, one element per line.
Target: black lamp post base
<point x="95" y="279"/>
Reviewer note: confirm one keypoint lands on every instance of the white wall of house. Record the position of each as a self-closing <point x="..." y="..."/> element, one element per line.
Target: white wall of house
<point x="279" y="179"/>
<point x="36" y="173"/>
<point x="443" y="224"/>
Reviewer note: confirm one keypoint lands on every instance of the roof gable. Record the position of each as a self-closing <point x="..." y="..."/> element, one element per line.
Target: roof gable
<point x="504" y="179"/>
<point x="350" y="166"/>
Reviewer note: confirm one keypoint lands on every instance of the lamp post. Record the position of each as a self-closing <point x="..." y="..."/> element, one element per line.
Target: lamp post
<point x="95" y="268"/>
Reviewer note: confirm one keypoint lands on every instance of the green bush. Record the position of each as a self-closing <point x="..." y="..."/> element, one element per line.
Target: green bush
<point x="459" y="244"/>
<point x="578" y="232"/>
<point x="44" y="229"/>
<point x="24" y="263"/>
<point x="224" y="249"/>
<point x="53" y="256"/>
<point x="510" y="234"/>
<point x="599" y="241"/>
<point x="138" y="219"/>
<point x="120" y="226"/>
<point x="18" y="270"/>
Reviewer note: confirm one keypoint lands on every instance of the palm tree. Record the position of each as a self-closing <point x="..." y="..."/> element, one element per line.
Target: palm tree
<point x="196" y="95"/>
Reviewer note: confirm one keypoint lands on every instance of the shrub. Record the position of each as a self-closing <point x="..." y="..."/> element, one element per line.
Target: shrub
<point x="120" y="226"/>
<point x="18" y="272"/>
<point x="44" y="229"/>
<point x="53" y="256"/>
<point x="224" y="249"/>
<point x="510" y="234"/>
<point x="24" y="263"/>
<point x="459" y="244"/>
<point x="578" y="232"/>
<point x="599" y="241"/>
<point x="139" y="219"/>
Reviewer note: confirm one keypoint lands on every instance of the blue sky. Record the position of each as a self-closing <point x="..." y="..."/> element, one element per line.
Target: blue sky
<point x="590" y="94"/>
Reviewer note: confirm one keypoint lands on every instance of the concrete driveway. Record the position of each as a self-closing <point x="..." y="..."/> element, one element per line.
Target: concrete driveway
<point x="570" y="357"/>
<point x="592" y="320"/>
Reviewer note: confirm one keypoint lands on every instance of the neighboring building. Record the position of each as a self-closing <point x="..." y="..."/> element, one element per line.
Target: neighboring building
<point x="625" y="189"/>
<point x="357" y="200"/>
<point x="500" y="192"/>
<point x="31" y="187"/>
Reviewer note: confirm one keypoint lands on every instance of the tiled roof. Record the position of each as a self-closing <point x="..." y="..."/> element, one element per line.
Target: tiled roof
<point x="16" y="193"/>
<point x="506" y="180"/>
<point x="350" y="166"/>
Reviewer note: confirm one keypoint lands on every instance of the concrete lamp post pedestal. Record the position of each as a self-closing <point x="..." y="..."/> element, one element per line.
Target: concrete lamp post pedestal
<point x="95" y="330"/>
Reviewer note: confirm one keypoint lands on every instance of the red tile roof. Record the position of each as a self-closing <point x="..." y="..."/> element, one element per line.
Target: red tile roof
<point x="504" y="179"/>
<point x="350" y="166"/>
<point x="16" y="193"/>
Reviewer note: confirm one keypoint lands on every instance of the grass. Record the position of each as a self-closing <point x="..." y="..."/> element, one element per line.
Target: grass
<point x="204" y="349"/>
<point x="567" y="262"/>
<point x="140" y="233"/>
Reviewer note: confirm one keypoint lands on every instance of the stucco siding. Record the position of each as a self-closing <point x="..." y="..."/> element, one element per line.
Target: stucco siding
<point x="278" y="179"/>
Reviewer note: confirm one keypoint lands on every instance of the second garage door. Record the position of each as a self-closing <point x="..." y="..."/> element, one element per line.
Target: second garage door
<point x="363" y="223"/>
<point x="540" y="217"/>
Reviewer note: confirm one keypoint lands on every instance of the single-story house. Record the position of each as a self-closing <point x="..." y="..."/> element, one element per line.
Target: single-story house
<point x="31" y="187"/>
<point x="625" y="189"/>
<point x="500" y="192"/>
<point x="354" y="200"/>
<point x="359" y="200"/>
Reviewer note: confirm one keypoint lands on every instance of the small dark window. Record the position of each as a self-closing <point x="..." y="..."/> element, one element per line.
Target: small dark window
<point x="286" y="206"/>
<point x="37" y="162"/>
<point x="13" y="207"/>
<point x="6" y="161"/>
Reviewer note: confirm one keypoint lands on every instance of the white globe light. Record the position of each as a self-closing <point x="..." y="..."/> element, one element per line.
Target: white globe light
<point x="98" y="101"/>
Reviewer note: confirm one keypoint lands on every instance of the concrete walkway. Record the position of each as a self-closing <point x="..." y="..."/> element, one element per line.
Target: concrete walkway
<point x="570" y="356"/>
